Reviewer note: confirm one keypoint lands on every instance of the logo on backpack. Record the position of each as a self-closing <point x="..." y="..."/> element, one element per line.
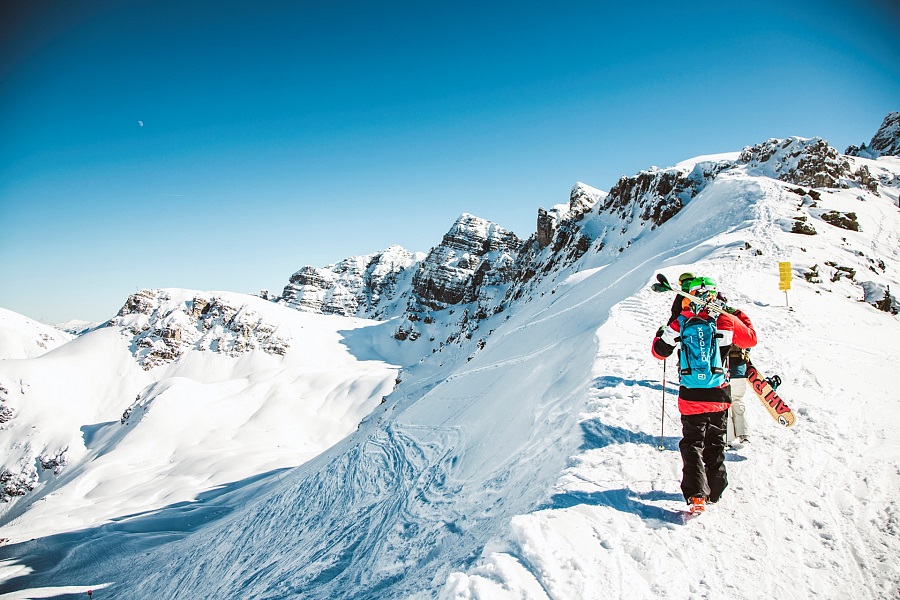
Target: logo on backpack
<point x="699" y="360"/>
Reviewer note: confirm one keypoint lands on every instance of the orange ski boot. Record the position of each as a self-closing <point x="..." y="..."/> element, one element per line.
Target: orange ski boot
<point x="698" y="504"/>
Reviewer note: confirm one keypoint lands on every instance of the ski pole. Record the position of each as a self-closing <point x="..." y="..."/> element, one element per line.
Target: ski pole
<point x="662" y="426"/>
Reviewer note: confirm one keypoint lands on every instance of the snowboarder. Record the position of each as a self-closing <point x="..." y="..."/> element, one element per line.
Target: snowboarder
<point x="704" y="395"/>
<point x="737" y="417"/>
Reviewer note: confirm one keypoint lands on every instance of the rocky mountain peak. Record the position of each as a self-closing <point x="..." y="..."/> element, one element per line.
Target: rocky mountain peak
<point x="164" y="325"/>
<point x="581" y="199"/>
<point x="810" y="162"/>
<point x="473" y="262"/>
<point x="656" y="195"/>
<point x="473" y="251"/>
<point x="366" y="286"/>
<point x="885" y="142"/>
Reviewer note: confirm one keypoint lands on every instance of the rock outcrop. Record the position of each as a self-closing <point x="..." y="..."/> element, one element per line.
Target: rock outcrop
<point x="885" y="142"/>
<point x="655" y="196"/>
<point x="475" y="253"/>
<point x="17" y="480"/>
<point x="366" y="286"/>
<point x="809" y="162"/>
<point x="581" y="199"/>
<point x="164" y="327"/>
<point x="473" y="263"/>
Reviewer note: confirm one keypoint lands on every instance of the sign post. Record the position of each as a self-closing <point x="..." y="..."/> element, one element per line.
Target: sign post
<point x="784" y="271"/>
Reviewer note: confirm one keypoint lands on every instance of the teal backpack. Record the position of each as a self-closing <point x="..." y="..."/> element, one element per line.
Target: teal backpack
<point x="699" y="360"/>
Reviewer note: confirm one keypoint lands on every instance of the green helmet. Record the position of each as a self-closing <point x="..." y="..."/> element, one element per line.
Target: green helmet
<point x="704" y="283"/>
<point x="685" y="280"/>
<point x="705" y="289"/>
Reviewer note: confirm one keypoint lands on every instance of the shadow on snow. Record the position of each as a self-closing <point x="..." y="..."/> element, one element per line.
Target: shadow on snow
<point x="66" y="559"/>
<point x="601" y="435"/>
<point x="608" y="381"/>
<point x="626" y="501"/>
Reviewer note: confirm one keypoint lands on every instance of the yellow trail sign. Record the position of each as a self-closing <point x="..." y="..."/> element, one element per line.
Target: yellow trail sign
<point x="784" y="269"/>
<point x="784" y="283"/>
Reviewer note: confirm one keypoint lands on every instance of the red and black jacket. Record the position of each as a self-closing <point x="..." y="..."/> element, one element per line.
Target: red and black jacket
<point x="735" y="329"/>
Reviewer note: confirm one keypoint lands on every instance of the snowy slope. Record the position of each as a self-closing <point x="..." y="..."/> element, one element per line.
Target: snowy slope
<point x="96" y="435"/>
<point x="530" y="468"/>
<point x="811" y="511"/>
<point x="21" y="337"/>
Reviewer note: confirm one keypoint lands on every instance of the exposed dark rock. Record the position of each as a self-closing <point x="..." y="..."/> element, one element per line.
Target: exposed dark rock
<point x="812" y="275"/>
<point x="887" y="304"/>
<point x="809" y="162"/>
<point x="866" y="179"/>
<point x="17" y="481"/>
<point x="840" y="271"/>
<point x="142" y="302"/>
<point x="164" y="329"/>
<point x="55" y="462"/>
<point x="800" y="226"/>
<point x="545" y="227"/>
<point x="475" y="253"/>
<point x="582" y="199"/>
<point x="885" y="142"/>
<point x="842" y="220"/>
<point x="365" y="286"/>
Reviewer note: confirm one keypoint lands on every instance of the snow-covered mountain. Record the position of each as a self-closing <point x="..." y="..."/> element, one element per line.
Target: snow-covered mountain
<point x="374" y="286"/>
<point x="483" y="267"/>
<point x="21" y="337"/>
<point x="517" y="455"/>
<point x="181" y="392"/>
<point x="471" y="264"/>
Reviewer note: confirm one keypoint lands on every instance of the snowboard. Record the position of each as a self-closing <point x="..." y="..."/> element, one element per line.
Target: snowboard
<point x="780" y="411"/>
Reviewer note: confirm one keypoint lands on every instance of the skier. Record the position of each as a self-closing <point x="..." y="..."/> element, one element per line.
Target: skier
<point x="678" y="304"/>
<point x="704" y="394"/>
<point x="738" y="430"/>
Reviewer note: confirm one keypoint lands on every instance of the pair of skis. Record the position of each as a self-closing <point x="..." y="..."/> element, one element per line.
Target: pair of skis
<point x="763" y="387"/>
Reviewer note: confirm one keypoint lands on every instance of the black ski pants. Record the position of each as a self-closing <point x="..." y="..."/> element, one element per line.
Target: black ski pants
<point x="703" y="453"/>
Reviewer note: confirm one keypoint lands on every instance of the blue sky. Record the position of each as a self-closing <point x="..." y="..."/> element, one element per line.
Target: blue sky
<point x="281" y="134"/>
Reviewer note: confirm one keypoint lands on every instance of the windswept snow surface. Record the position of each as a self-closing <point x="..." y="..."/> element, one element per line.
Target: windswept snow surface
<point x="533" y="469"/>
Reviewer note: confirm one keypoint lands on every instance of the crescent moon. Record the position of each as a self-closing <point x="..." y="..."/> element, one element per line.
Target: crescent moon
<point x="141" y="123"/>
